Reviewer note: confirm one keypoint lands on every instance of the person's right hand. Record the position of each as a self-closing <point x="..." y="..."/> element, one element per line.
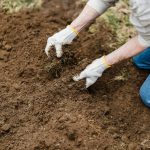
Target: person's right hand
<point x="59" y="39"/>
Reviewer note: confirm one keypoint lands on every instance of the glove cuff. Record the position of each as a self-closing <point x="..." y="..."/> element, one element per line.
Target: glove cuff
<point x="73" y="29"/>
<point x="105" y="62"/>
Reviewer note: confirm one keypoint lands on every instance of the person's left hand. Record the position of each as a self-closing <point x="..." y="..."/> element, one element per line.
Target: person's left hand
<point x="93" y="71"/>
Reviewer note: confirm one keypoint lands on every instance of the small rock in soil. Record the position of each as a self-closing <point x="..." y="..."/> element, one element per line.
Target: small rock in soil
<point x="8" y="47"/>
<point x="64" y="118"/>
<point x="16" y="86"/>
<point x="5" y="128"/>
<point x="2" y="120"/>
<point x="133" y="146"/>
<point x="4" y="55"/>
<point x="4" y="43"/>
<point x="116" y="136"/>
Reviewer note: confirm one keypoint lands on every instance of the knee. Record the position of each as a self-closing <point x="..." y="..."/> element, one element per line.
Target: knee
<point x="145" y="97"/>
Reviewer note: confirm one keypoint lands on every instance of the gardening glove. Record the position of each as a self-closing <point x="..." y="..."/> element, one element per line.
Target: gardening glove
<point x="93" y="71"/>
<point x="59" y="39"/>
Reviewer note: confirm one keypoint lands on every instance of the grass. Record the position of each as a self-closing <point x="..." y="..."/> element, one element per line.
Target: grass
<point x="17" y="5"/>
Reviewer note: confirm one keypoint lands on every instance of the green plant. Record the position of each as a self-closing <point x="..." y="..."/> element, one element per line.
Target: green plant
<point x="17" y="5"/>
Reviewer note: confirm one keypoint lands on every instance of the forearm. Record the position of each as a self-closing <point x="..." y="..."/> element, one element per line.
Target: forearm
<point x="85" y="18"/>
<point x="130" y="49"/>
<point x="92" y="10"/>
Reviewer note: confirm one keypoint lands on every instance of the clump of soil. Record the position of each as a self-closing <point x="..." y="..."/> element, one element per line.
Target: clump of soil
<point x="56" y="66"/>
<point x="42" y="108"/>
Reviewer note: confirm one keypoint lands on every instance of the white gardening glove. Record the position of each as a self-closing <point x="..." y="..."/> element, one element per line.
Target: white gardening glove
<point x="59" y="39"/>
<point x="93" y="71"/>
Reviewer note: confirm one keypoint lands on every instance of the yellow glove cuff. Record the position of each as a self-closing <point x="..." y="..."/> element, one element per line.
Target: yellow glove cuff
<point x="74" y="30"/>
<point x="105" y="62"/>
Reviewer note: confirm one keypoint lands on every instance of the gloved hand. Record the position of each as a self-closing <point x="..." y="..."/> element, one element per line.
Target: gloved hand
<point x="93" y="71"/>
<point x="59" y="39"/>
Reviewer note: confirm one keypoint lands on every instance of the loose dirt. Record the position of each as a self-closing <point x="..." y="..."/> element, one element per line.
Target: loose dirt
<point x="43" y="109"/>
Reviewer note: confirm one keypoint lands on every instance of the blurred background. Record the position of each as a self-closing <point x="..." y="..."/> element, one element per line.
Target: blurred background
<point x="117" y="18"/>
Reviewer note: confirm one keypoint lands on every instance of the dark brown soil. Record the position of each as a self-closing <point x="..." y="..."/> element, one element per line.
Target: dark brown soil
<point x="43" y="109"/>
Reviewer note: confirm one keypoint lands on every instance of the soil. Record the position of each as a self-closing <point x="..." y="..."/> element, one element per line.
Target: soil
<point x="42" y="108"/>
